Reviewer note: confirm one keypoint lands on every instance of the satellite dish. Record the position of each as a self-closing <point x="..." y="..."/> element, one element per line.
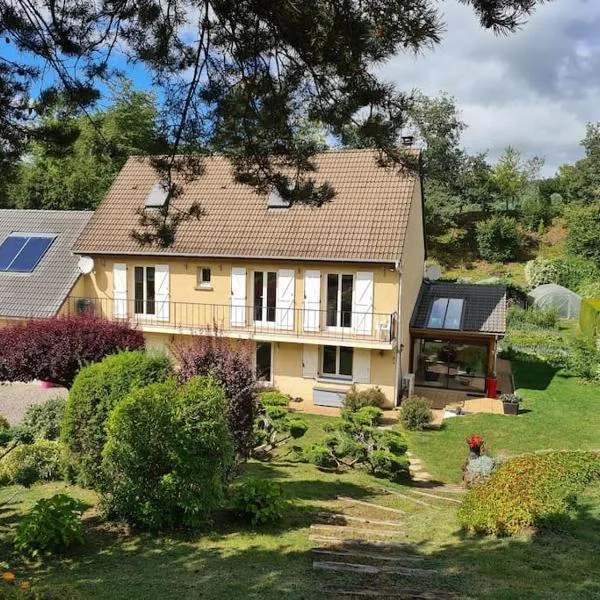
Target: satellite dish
<point x="433" y="272"/>
<point x="86" y="264"/>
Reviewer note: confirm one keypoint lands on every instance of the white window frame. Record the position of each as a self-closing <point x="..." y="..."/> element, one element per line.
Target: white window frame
<point x="336" y="376"/>
<point x="263" y="320"/>
<point x="144" y="314"/>
<point x="263" y="382"/>
<point x="201" y="283"/>
<point x="338" y="326"/>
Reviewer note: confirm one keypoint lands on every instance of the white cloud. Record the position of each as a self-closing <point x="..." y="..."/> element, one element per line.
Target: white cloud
<point x="534" y="89"/>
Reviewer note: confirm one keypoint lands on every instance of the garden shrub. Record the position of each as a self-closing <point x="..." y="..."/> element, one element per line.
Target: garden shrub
<point x="480" y="469"/>
<point x="532" y="318"/>
<point x="415" y="413"/>
<point x="4" y="424"/>
<point x="388" y="465"/>
<point x="52" y="526"/>
<point x="95" y="392"/>
<point x="56" y="349"/>
<point x="258" y="501"/>
<point x="167" y="454"/>
<point x="369" y="416"/>
<point x="583" y="237"/>
<point x="321" y="455"/>
<point x="391" y="440"/>
<point x="573" y="272"/>
<point x="532" y="490"/>
<point x="273" y="398"/>
<point x="589" y="317"/>
<point x="230" y="363"/>
<point x="355" y="399"/>
<point x="44" y="420"/>
<point x="498" y="239"/>
<point x="584" y="359"/>
<point x="28" y="463"/>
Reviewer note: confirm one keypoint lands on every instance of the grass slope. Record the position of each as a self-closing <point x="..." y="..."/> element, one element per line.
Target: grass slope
<point x="558" y="412"/>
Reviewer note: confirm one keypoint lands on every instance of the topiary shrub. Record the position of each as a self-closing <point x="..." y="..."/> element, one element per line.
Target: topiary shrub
<point x="44" y="420"/>
<point x="95" y="392"/>
<point x="532" y="490"/>
<point x="52" y="526"/>
<point x="258" y="501"/>
<point x="415" y="413"/>
<point x="388" y="465"/>
<point x="321" y="455"/>
<point x="229" y="362"/>
<point x="273" y="398"/>
<point x="167" y="454"/>
<point x="498" y="239"/>
<point x="28" y="463"/>
<point x="355" y="399"/>
<point x="391" y="440"/>
<point x="368" y="416"/>
<point x="55" y="349"/>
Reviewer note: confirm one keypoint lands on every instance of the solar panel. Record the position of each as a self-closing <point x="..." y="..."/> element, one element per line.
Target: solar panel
<point x="21" y="254"/>
<point x="9" y="249"/>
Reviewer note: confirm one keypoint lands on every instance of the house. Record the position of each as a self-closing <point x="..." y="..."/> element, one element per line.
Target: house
<point x="325" y="295"/>
<point x="38" y="270"/>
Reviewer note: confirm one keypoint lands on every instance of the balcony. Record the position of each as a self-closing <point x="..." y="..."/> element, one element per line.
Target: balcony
<point x="304" y="326"/>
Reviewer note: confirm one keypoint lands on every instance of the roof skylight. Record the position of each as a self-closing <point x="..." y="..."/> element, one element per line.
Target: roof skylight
<point x="446" y="313"/>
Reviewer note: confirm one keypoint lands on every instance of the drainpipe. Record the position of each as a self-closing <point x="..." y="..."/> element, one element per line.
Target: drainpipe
<point x="399" y="338"/>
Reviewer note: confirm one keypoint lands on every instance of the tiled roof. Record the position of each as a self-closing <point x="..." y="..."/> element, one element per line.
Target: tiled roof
<point x="366" y="220"/>
<point x="484" y="305"/>
<point x="41" y="292"/>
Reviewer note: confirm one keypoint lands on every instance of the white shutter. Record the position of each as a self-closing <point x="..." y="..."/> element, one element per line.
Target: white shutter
<point x="362" y="305"/>
<point x="120" y="290"/>
<point x="312" y="300"/>
<point x="361" y="365"/>
<point x="238" y="296"/>
<point x="284" y="306"/>
<point x="310" y="360"/>
<point x="161" y="274"/>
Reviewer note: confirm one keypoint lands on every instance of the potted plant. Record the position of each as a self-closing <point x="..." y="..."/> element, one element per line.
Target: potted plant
<point x="510" y="403"/>
<point x="491" y="384"/>
<point x="476" y="445"/>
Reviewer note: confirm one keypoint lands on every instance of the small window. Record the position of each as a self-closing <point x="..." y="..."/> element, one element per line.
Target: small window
<point x="337" y="361"/>
<point x="203" y="278"/>
<point x="446" y="313"/>
<point x="144" y="290"/>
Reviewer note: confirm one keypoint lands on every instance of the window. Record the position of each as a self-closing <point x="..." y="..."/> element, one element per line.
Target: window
<point x="337" y="361"/>
<point x="265" y="296"/>
<point x="203" y="278"/>
<point x="446" y="313"/>
<point x="339" y="300"/>
<point x="263" y="361"/>
<point x="144" y="286"/>
<point x="20" y="253"/>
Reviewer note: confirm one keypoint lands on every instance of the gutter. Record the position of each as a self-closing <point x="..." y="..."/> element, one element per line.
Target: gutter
<point x="399" y="345"/>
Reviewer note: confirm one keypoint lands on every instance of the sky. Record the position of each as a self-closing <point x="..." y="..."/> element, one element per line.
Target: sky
<point x="535" y="89"/>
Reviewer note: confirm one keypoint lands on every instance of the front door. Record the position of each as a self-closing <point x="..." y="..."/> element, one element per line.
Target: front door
<point x="264" y="362"/>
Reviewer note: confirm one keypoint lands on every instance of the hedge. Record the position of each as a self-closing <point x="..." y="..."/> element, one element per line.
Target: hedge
<point x="589" y="317"/>
<point x="529" y="491"/>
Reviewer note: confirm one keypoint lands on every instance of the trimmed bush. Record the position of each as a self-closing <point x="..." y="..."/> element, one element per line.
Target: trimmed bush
<point x="391" y="440"/>
<point x="321" y="455"/>
<point x="584" y="359"/>
<point x="44" y="420"/>
<point x="498" y="239"/>
<point x="230" y="363"/>
<point x="355" y="399"/>
<point x="388" y="465"/>
<point x="532" y="490"/>
<point x="52" y="526"/>
<point x="258" y="501"/>
<point x="95" y="392"/>
<point x="28" y="463"/>
<point x="167" y="454"/>
<point x="274" y="398"/>
<point x="368" y="416"/>
<point x="56" y="349"/>
<point x="415" y="413"/>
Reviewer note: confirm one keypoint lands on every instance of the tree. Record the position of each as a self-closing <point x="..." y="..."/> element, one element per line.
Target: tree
<point x="241" y="77"/>
<point x="76" y="175"/>
<point x="56" y="349"/>
<point x="583" y="238"/>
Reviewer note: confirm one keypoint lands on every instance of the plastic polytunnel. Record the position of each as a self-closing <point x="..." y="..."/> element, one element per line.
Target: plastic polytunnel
<point x="551" y="295"/>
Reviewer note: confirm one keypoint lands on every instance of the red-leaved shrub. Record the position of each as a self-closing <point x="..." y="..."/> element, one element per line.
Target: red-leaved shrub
<point x="55" y="349"/>
<point x="230" y="363"/>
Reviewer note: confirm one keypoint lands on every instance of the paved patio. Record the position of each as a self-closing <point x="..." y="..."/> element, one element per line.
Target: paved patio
<point x="16" y="397"/>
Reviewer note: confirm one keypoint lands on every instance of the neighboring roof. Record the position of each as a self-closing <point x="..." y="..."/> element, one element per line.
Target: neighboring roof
<point x="41" y="292"/>
<point x="365" y="221"/>
<point x="484" y="306"/>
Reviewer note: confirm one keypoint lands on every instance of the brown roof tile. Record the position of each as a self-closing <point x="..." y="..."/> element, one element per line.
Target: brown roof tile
<point x="365" y="221"/>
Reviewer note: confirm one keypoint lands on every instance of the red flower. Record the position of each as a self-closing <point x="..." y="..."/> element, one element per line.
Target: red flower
<point x="476" y="442"/>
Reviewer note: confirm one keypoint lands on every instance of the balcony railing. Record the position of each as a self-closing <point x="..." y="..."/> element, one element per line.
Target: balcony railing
<point x="242" y="321"/>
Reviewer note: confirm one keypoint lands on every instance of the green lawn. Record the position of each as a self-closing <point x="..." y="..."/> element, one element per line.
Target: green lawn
<point x="558" y="412"/>
<point x="229" y="561"/>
